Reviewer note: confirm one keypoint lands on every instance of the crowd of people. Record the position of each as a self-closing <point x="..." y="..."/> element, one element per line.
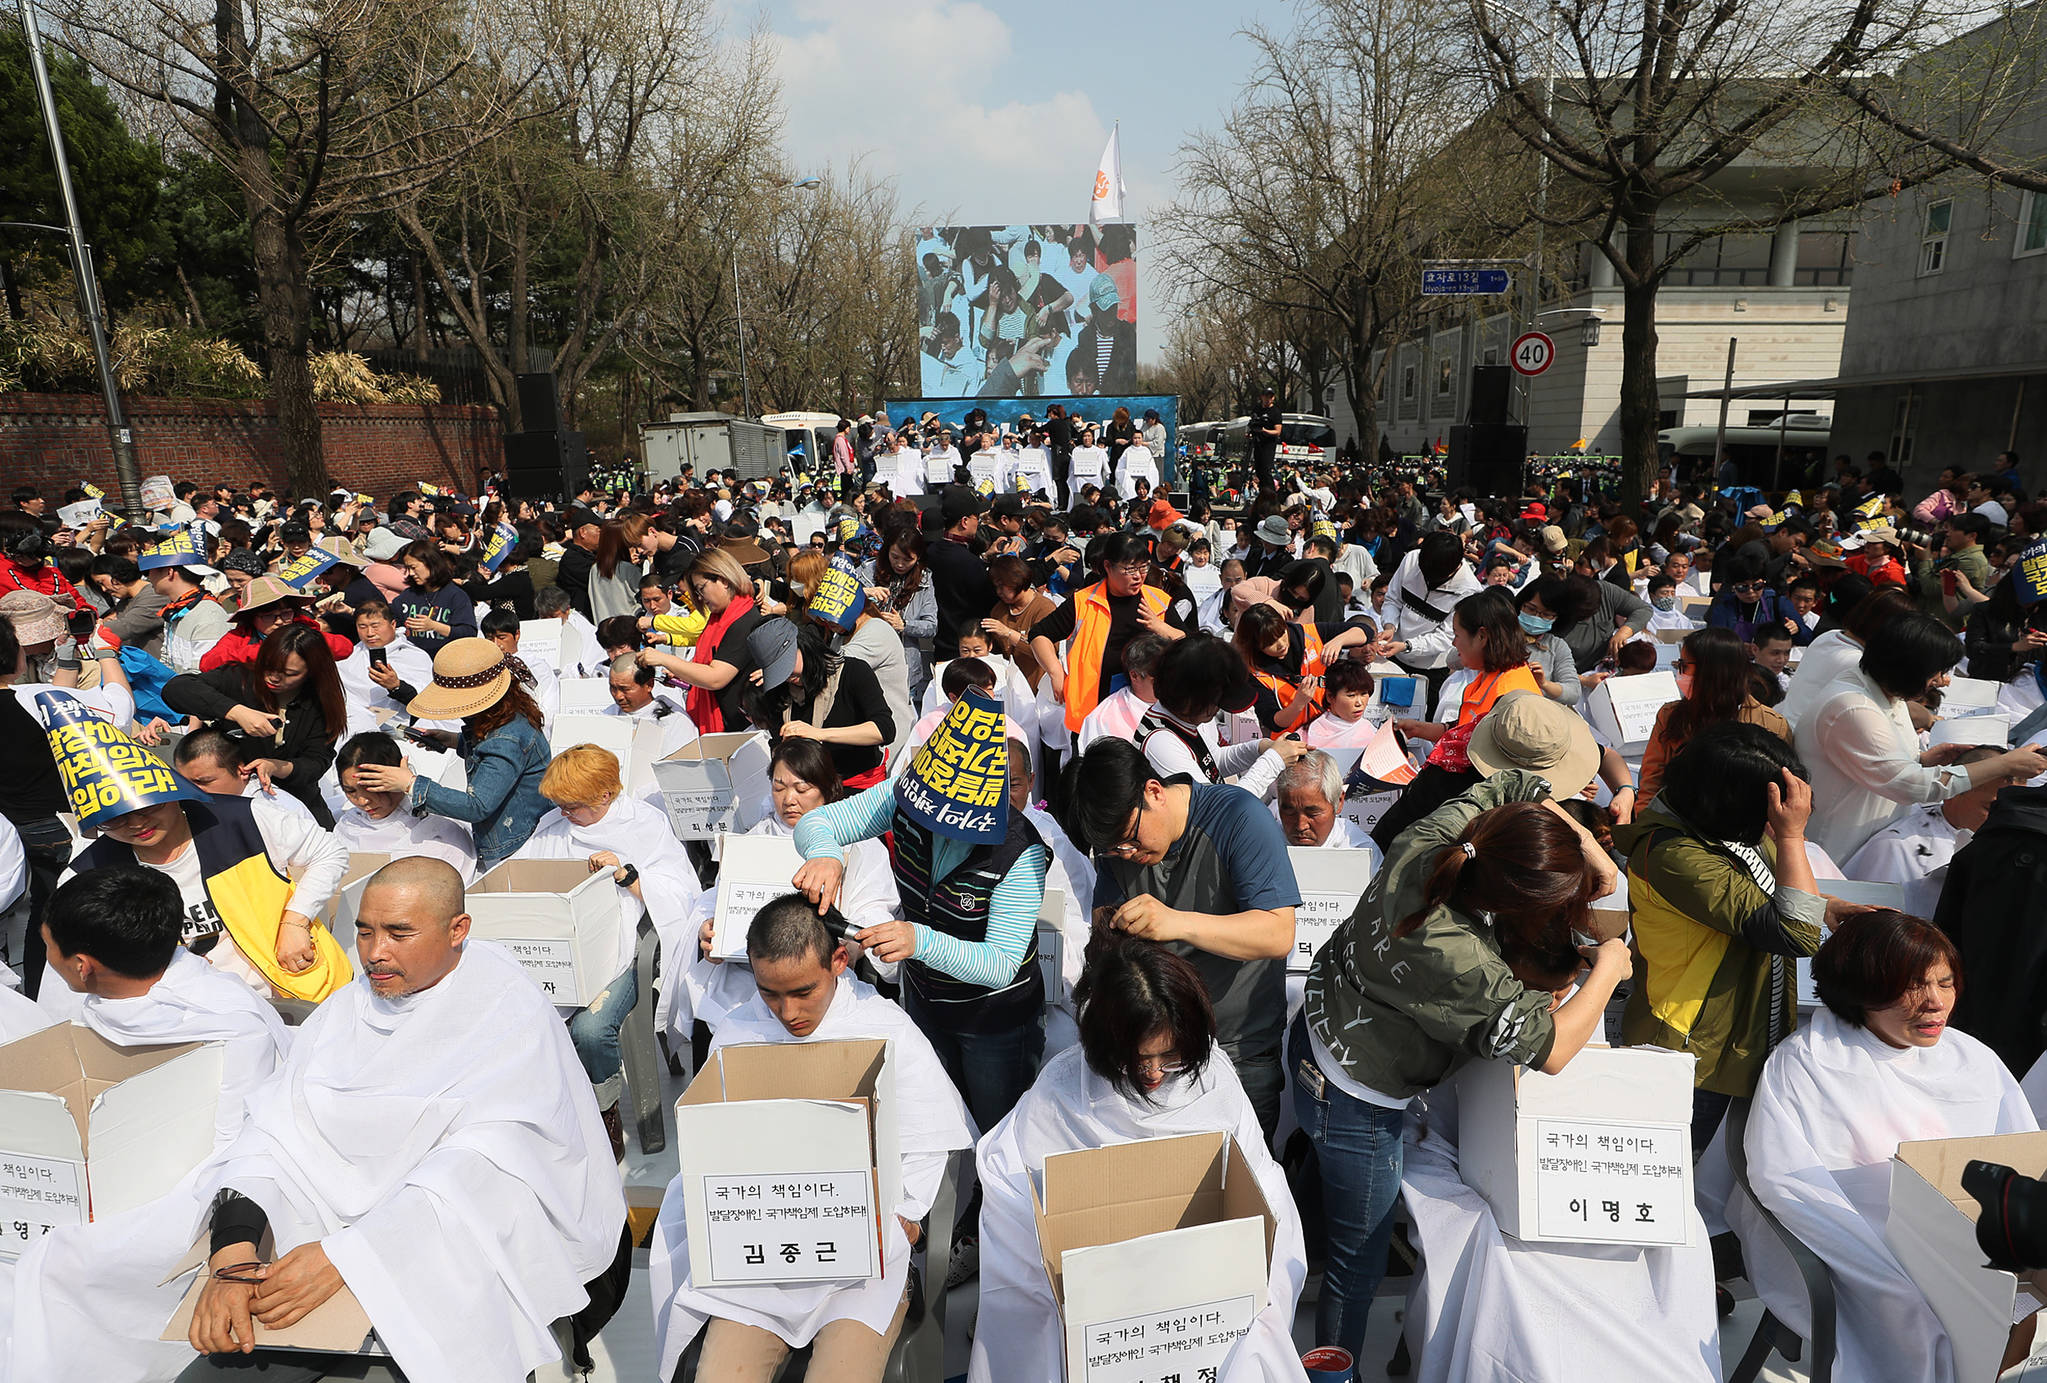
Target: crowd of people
<point x="1048" y="755"/>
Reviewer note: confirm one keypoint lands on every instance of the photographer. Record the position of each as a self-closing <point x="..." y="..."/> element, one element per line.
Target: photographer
<point x="1951" y="584"/>
<point x="28" y="562"/>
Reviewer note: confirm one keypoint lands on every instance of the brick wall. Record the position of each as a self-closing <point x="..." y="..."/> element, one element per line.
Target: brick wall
<point x="53" y="441"/>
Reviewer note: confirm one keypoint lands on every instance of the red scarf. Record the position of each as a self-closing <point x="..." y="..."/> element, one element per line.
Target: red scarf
<point x="702" y="701"/>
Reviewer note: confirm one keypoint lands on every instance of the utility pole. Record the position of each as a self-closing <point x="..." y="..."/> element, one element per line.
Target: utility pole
<point x="118" y="431"/>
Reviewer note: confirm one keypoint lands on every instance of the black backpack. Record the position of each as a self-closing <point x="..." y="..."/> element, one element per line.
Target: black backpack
<point x="1994" y="908"/>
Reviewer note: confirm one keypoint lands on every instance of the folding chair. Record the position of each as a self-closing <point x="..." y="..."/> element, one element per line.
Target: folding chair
<point x="1772" y="1333"/>
<point x="642" y="1057"/>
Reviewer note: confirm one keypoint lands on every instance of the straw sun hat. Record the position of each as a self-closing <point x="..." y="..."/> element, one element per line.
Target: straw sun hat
<point x="470" y="675"/>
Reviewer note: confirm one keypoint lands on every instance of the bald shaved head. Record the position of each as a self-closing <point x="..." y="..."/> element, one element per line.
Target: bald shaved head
<point x="410" y="926"/>
<point x="434" y="884"/>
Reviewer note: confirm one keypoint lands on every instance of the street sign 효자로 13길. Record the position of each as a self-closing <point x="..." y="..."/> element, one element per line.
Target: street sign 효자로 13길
<point x="1464" y="282"/>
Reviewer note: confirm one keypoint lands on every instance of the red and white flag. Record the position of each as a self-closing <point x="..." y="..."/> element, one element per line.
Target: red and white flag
<point x="1107" y="206"/>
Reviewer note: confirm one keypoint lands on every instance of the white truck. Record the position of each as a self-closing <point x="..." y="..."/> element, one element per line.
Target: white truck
<point x="711" y="442"/>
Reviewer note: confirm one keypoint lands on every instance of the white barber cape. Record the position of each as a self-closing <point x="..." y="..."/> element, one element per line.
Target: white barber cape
<point x="711" y="991"/>
<point x="413" y="664"/>
<point x="639" y="834"/>
<point x="1074" y="876"/>
<point x="1115" y="718"/>
<point x="1913" y="852"/>
<point x="445" y="1149"/>
<point x="1833" y="1104"/>
<point x="194" y="1002"/>
<point x="1018" y="1338"/>
<point x="1485" y="1308"/>
<point x="678" y="731"/>
<point x="401" y="834"/>
<point x="1135" y="464"/>
<point x="19" y="1016"/>
<point x="932" y="1123"/>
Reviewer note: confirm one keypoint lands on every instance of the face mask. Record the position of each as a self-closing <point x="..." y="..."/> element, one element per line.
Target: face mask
<point x="1535" y="624"/>
<point x="1684" y="685"/>
<point x="1665" y="603"/>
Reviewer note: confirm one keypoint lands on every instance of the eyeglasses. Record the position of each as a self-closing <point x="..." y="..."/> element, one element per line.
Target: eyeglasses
<point x="1168" y="1065"/>
<point x="1129" y="844"/>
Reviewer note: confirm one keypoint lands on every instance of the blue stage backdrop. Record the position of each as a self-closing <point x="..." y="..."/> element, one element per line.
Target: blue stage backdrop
<point x="1027" y="309"/>
<point x="1094" y="408"/>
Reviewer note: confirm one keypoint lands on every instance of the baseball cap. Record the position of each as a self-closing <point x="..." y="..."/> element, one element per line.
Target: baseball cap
<point x="772" y="645"/>
<point x="1102" y="293"/>
<point x="958" y="502"/>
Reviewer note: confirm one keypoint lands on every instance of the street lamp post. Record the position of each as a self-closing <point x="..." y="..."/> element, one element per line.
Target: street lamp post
<point x="119" y="433"/>
<point x="738" y="307"/>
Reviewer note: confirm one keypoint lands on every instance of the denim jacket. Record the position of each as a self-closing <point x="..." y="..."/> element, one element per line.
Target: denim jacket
<point x="503" y="801"/>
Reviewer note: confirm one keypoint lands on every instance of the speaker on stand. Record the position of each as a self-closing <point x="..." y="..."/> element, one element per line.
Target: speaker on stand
<point x="543" y="462"/>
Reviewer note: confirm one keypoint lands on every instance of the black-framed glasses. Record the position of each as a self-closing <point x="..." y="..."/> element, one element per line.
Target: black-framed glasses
<point x="1129" y="845"/>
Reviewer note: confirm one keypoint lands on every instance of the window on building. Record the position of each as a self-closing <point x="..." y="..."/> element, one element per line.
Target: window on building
<point x="1407" y="382"/>
<point x="2032" y="236"/>
<point x="1823" y="260"/>
<point x="1904" y="424"/>
<point x="1933" y="237"/>
<point x="1446" y="376"/>
<point x="1731" y="260"/>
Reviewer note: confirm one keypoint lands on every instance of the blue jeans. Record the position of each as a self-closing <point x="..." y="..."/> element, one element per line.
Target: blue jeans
<point x="1358" y="1146"/>
<point x="594" y="1030"/>
<point x="991" y="1070"/>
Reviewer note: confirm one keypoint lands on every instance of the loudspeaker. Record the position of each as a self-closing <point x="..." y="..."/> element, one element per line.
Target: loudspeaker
<point x="539" y="409"/>
<point x="546" y="465"/>
<point x="1490" y="385"/>
<point x="1487" y="458"/>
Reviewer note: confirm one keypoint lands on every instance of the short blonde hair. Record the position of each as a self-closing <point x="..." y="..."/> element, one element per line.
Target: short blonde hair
<point x="581" y="776"/>
<point x="806" y="569"/>
<point x="716" y="564"/>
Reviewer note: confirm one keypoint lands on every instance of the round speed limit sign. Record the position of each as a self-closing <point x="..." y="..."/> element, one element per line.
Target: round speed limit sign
<point x="1534" y="352"/>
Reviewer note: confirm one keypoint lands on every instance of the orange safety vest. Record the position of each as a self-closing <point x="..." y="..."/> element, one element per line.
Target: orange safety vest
<point x="1311" y="666"/>
<point x="1090" y="637"/>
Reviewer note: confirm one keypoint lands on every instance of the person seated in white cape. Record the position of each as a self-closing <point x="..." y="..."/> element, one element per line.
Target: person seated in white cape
<point x="801" y="778"/>
<point x="430" y="1144"/>
<point x="799" y="964"/>
<point x="377" y="823"/>
<point x="1147" y="1066"/>
<point x="1876" y="1066"/>
<point x="112" y="935"/>
<point x="595" y="822"/>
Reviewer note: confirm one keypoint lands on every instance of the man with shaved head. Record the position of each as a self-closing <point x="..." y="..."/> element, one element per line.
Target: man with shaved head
<point x="636" y="691"/>
<point x="430" y="1146"/>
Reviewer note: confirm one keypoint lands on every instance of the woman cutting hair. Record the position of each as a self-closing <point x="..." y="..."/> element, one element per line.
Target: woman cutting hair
<point x="1147" y="1066"/>
<point x="285" y="709"/>
<point x="715" y="670"/>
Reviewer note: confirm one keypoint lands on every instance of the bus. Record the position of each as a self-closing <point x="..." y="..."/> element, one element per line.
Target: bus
<point x="811" y="433"/>
<point x="1754" y="450"/>
<point x="1203" y="441"/>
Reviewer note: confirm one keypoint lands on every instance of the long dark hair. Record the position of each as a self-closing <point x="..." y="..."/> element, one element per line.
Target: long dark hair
<point x="440" y="568"/>
<point x="1129" y="989"/>
<point x="1257" y="627"/>
<point x="322" y="684"/>
<point x="764" y="704"/>
<point x="1492" y="618"/>
<point x="1525" y="867"/>
<point x="1719" y="667"/>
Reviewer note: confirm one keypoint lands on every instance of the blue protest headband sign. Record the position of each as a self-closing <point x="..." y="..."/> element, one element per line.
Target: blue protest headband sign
<point x="2029" y="575"/>
<point x="958" y="784"/>
<point x="179" y="547"/>
<point x="503" y="539"/>
<point x="840" y="597"/>
<point x="299" y="572"/>
<point x="849" y="529"/>
<point x="105" y="774"/>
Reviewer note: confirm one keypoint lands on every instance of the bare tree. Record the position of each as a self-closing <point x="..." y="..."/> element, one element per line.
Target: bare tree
<point x="1655" y="115"/>
<point x="299" y="102"/>
<point x="1317" y="198"/>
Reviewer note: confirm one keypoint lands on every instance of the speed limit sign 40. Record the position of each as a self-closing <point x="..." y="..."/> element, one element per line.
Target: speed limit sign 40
<point x="1534" y="352"/>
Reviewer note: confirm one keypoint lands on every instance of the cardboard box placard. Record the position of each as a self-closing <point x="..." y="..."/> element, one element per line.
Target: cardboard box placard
<point x="1932" y="1229"/>
<point x="1673" y="635"/>
<point x="544" y="637"/>
<point x="1599" y="1153"/>
<point x="1052" y="944"/>
<point x="1989" y="728"/>
<point x="1890" y="896"/>
<point x="1624" y="708"/>
<point x="1158" y="1253"/>
<point x="790" y="1160"/>
<point x="752" y="870"/>
<point x="1968" y="696"/>
<point x="89" y="1129"/>
<point x="558" y="918"/>
<point x="635" y="743"/>
<point x="1364" y="810"/>
<point x="1331" y="882"/>
<point x="716" y="783"/>
<point x="584" y="696"/>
